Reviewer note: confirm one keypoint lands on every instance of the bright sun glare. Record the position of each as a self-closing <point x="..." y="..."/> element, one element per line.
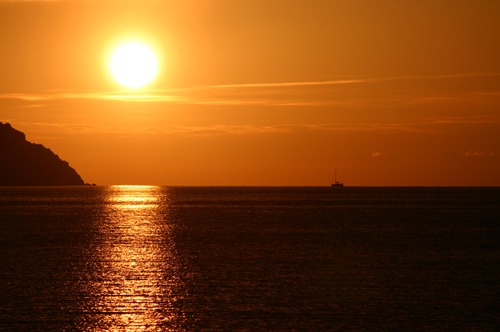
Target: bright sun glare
<point x="133" y="64"/>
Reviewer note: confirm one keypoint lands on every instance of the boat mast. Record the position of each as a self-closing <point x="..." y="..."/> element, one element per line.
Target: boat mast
<point x="335" y="183"/>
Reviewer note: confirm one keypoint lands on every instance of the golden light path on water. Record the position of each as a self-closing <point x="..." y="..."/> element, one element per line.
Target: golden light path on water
<point x="139" y="280"/>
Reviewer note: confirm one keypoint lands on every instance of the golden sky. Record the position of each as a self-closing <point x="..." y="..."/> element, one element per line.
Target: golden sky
<point x="261" y="92"/>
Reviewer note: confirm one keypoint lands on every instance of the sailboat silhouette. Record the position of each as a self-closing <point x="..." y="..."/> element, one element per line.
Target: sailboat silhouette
<point x="337" y="183"/>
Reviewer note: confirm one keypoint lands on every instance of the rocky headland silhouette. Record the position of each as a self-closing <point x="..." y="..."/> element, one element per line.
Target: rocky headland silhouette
<point x="23" y="163"/>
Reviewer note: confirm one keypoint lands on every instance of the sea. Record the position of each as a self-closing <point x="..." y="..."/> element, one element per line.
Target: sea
<point x="156" y="258"/>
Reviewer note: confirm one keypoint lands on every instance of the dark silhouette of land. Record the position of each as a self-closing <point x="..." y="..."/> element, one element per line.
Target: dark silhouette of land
<point x="23" y="163"/>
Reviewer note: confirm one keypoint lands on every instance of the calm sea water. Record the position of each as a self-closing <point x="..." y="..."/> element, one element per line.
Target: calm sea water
<point x="130" y="258"/>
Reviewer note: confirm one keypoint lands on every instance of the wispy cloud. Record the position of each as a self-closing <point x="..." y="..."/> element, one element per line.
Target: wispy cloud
<point x="173" y="95"/>
<point x="221" y="129"/>
<point x="267" y="93"/>
<point x="58" y="128"/>
<point x="459" y="120"/>
<point x="358" y="81"/>
<point x="23" y="96"/>
<point x="28" y="1"/>
<point x="290" y="84"/>
<point x="155" y="96"/>
<point x="41" y="1"/>
<point x="478" y="154"/>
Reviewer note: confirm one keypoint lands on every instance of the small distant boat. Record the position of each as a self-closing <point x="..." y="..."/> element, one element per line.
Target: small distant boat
<point x="337" y="183"/>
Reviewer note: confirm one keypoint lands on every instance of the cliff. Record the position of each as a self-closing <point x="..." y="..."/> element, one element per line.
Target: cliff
<point x="27" y="164"/>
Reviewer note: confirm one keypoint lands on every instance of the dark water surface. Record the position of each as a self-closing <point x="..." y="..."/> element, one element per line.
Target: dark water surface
<point x="131" y="258"/>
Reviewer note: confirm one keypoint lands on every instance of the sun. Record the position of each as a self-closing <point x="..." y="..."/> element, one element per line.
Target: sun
<point x="133" y="64"/>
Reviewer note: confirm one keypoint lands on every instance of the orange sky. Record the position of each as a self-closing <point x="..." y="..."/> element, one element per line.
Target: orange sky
<point x="259" y="92"/>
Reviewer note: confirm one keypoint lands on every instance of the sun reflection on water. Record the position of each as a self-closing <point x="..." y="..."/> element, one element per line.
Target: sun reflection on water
<point x="139" y="282"/>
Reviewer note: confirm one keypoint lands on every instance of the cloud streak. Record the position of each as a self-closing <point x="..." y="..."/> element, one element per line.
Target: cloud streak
<point x="264" y="93"/>
<point x="165" y="94"/>
<point x="290" y="84"/>
<point x="480" y="154"/>
<point x="425" y="126"/>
